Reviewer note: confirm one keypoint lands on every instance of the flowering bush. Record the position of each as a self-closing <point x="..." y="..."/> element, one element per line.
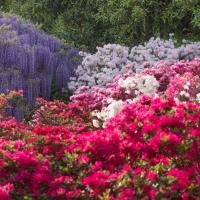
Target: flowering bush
<point x="111" y="60"/>
<point x="180" y="81"/>
<point x="32" y="61"/>
<point x="75" y="116"/>
<point x="102" y="67"/>
<point x="150" y="150"/>
<point x="136" y="138"/>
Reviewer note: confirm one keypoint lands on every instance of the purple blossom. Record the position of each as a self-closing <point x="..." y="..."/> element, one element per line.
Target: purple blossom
<point x="31" y="60"/>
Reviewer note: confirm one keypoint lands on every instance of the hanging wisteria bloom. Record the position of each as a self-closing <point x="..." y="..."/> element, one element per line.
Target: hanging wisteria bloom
<point x="32" y="60"/>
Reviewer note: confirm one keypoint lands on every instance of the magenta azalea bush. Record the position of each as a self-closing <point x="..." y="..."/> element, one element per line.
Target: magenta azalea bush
<point x="144" y="144"/>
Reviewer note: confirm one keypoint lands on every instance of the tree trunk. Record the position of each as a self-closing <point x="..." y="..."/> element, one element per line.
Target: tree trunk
<point x="148" y="27"/>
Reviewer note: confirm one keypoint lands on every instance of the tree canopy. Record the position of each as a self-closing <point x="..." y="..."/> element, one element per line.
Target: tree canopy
<point x="88" y="23"/>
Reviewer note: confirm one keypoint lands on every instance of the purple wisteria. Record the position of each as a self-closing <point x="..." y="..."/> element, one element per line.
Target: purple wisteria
<point x="31" y="60"/>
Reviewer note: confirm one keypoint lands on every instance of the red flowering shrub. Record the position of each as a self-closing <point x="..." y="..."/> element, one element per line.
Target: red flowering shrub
<point x="148" y="151"/>
<point x="75" y="116"/>
<point x="151" y="149"/>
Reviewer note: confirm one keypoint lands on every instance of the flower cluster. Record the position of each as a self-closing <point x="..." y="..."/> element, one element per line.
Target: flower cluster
<point x="102" y="67"/>
<point x="180" y="81"/>
<point x="111" y="60"/>
<point x="140" y="84"/>
<point x="150" y="150"/>
<point x="31" y="60"/>
<point x="135" y="137"/>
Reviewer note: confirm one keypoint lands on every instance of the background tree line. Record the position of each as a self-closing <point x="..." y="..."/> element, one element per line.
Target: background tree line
<point x="89" y="23"/>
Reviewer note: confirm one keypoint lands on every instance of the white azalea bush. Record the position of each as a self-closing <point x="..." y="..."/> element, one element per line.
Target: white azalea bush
<point x="139" y="84"/>
<point x="112" y="59"/>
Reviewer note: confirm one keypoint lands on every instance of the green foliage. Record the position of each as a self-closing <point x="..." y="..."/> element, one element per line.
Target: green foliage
<point x="36" y="10"/>
<point x="87" y="23"/>
<point x="196" y="19"/>
<point x="63" y="95"/>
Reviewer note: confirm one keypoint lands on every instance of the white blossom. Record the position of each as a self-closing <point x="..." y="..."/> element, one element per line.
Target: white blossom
<point x="140" y="84"/>
<point x="95" y="123"/>
<point x="184" y="94"/>
<point x="198" y="97"/>
<point x="146" y="84"/>
<point x="187" y="85"/>
<point x="110" y="111"/>
<point x="177" y="100"/>
<point x="129" y="84"/>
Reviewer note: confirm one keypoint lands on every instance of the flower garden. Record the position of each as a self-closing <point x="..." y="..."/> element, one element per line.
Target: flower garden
<point x="131" y="129"/>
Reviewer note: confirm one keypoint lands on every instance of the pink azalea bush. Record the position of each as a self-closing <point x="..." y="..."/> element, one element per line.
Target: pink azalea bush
<point x="180" y="81"/>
